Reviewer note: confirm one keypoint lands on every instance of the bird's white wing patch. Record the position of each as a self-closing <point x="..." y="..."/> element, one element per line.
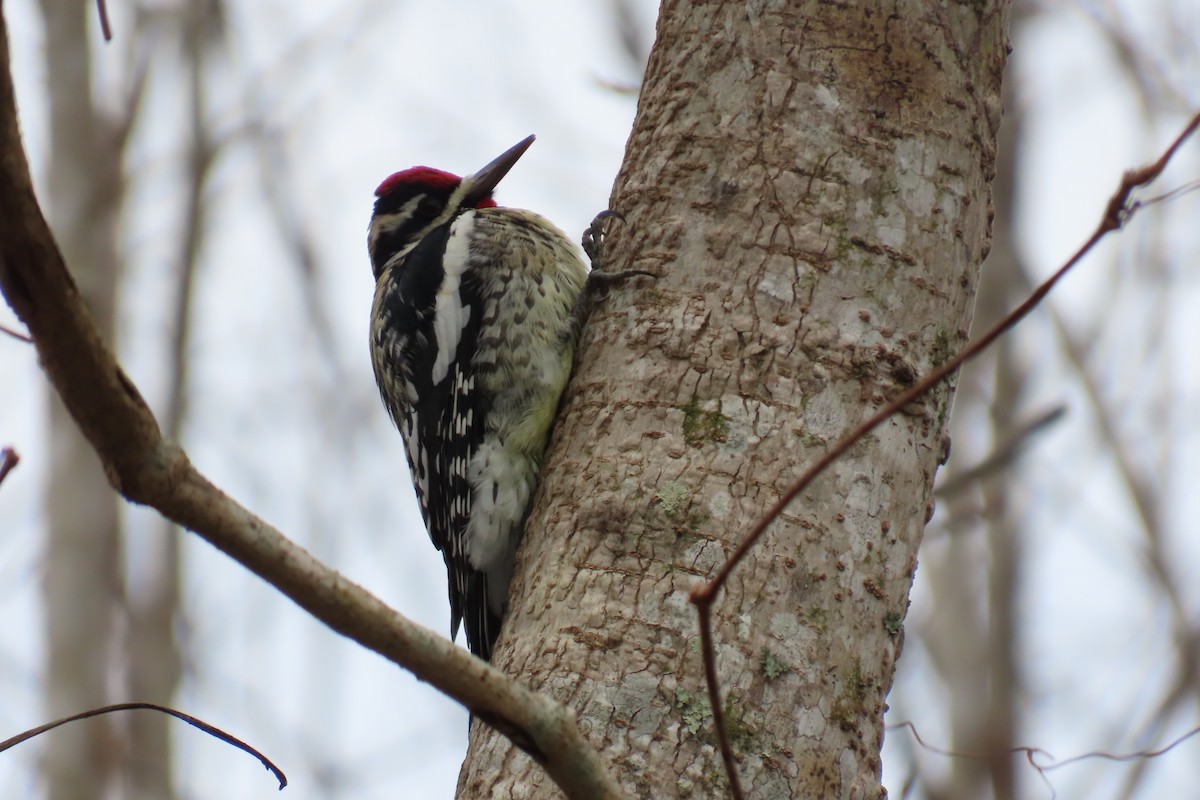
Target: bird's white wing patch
<point x="451" y="316"/>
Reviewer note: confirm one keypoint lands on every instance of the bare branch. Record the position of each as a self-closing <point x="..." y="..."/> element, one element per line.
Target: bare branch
<point x="1005" y="453"/>
<point x="1031" y="753"/>
<point x="8" y="461"/>
<point x="148" y="469"/>
<point x="105" y="28"/>
<point x="20" y="337"/>
<point x="211" y="730"/>
<point x="708" y="650"/>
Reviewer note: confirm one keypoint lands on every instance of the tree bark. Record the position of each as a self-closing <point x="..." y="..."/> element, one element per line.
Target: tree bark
<point x="811" y="183"/>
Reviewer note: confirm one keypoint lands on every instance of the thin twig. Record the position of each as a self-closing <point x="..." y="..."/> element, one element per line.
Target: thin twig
<point x="211" y="730"/>
<point x="1004" y="455"/>
<point x="714" y="699"/>
<point x="1031" y="753"/>
<point x="105" y="28"/>
<point x="20" y="337"/>
<point x="1186" y="188"/>
<point x="1118" y="211"/>
<point x="9" y="458"/>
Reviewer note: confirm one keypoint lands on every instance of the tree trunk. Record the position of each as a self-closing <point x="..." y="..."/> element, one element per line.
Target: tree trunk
<point x="155" y="661"/>
<point x="81" y="588"/>
<point x="810" y="181"/>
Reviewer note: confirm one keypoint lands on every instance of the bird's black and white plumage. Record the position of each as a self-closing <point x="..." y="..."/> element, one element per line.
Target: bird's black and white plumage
<point x="472" y="342"/>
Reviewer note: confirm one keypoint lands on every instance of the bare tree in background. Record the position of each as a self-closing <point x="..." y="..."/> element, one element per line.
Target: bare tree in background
<point x="155" y="660"/>
<point x="82" y="585"/>
<point x="974" y="581"/>
<point x="976" y="619"/>
<point x="102" y="633"/>
<point x="812" y="185"/>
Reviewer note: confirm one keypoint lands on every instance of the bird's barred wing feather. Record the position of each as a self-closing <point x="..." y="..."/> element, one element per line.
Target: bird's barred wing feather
<point x="428" y="383"/>
<point x="460" y="428"/>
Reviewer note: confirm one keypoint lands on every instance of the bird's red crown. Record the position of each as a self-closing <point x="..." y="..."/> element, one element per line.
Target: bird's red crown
<point x="436" y="181"/>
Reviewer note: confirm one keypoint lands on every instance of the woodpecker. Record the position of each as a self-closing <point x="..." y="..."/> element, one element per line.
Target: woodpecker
<point x="472" y="340"/>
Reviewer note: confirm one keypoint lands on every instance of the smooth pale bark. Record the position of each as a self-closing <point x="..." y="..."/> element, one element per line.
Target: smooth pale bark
<point x="811" y="182"/>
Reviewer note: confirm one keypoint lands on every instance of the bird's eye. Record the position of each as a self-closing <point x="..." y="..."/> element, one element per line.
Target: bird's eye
<point x="429" y="207"/>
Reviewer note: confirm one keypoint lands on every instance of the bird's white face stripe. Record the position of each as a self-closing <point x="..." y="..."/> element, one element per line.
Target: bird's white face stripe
<point x="450" y="316"/>
<point x="388" y="222"/>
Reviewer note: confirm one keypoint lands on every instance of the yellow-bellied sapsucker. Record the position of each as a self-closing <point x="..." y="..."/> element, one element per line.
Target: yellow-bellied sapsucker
<point x="472" y="340"/>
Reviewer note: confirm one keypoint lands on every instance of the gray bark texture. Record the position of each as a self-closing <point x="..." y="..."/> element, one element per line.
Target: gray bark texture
<point x="810" y="181"/>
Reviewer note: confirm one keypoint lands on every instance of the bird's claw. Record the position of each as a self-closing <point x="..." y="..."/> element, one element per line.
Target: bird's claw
<point x="593" y="236"/>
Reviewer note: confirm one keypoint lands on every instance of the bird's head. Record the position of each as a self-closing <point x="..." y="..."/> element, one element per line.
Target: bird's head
<point x="411" y="203"/>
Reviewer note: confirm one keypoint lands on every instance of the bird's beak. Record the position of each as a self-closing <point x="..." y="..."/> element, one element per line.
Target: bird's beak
<point x="484" y="182"/>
